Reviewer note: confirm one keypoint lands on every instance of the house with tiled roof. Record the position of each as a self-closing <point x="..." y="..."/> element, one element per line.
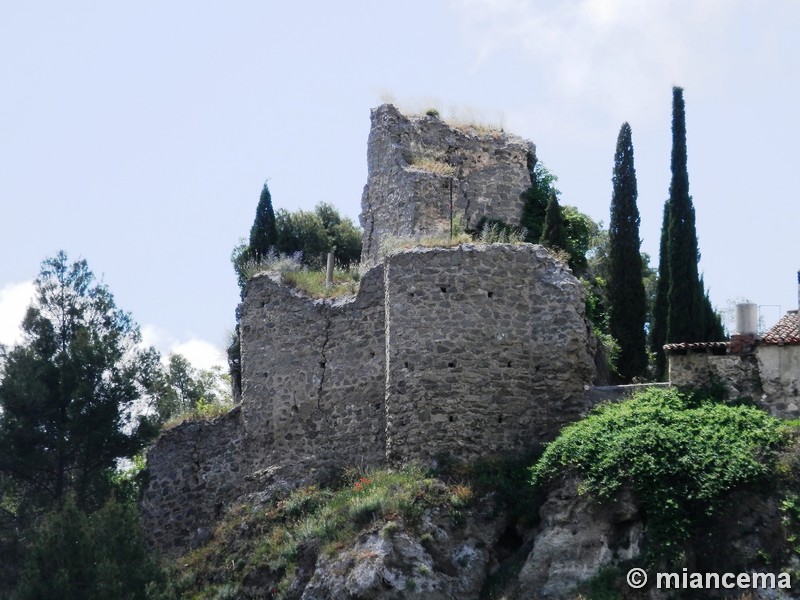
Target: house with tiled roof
<point x="764" y="369"/>
<point x="785" y="331"/>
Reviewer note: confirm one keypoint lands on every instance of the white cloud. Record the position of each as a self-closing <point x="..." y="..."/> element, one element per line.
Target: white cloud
<point x="202" y="354"/>
<point x="14" y="301"/>
<point x="617" y="54"/>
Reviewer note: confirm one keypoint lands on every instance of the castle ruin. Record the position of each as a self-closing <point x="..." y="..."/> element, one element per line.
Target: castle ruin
<point x="467" y="350"/>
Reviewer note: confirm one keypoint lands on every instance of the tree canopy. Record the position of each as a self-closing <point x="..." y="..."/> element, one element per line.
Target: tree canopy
<point x="68" y="389"/>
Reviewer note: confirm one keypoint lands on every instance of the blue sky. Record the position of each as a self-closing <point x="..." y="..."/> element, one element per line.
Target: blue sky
<point x="138" y="135"/>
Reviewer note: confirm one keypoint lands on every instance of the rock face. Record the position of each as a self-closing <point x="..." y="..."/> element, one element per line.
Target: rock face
<point x="450" y="564"/>
<point x="576" y="539"/>
<point x="422" y="171"/>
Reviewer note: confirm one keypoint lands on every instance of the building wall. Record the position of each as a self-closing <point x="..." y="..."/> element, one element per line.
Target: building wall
<point x="780" y="378"/>
<point x="418" y="165"/>
<point x="738" y="374"/>
<point x="770" y="376"/>
<point x="488" y="350"/>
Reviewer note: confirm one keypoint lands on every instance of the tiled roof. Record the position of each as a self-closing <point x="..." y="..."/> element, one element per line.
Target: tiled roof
<point x="697" y="346"/>
<point x="784" y="332"/>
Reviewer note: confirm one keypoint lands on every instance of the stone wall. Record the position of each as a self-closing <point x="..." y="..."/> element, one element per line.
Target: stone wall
<point x="737" y="373"/>
<point x="487" y="350"/>
<point x="418" y="166"/>
<point x="193" y="470"/>
<point x="313" y="374"/>
<point x="469" y="350"/>
<point x="769" y="376"/>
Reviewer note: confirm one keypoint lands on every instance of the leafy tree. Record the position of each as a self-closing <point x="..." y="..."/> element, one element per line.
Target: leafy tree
<point x="626" y="293"/>
<point x="68" y="389"/>
<point x="553" y="234"/>
<point x="263" y="233"/>
<point x="314" y="234"/>
<point x="535" y="198"/>
<point x="305" y="232"/>
<point x="579" y="230"/>
<point x="182" y="388"/>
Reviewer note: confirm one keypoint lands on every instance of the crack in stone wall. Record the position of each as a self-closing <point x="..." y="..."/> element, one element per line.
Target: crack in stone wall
<point x="324" y="360"/>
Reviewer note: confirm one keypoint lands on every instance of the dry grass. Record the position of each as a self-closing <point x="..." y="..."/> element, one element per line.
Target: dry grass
<point x="431" y="161"/>
<point x="312" y="283"/>
<point x="430" y="165"/>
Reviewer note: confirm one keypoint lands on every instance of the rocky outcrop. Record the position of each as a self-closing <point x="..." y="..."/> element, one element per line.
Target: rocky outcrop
<point x="441" y="562"/>
<point x="577" y="537"/>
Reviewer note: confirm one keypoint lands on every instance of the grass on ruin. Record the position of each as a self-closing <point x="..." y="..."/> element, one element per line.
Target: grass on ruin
<point x="312" y="283"/>
<point x="431" y="161"/>
<point x="270" y="543"/>
<point x="430" y="165"/>
<point x="490" y="233"/>
<point x="273" y="262"/>
<point x="203" y="411"/>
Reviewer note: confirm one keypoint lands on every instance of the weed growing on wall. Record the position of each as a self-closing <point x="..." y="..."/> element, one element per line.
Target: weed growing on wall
<point x="680" y="453"/>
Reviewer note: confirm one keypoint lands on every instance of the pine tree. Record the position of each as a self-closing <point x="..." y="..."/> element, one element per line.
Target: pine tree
<point x="628" y="303"/>
<point x="66" y="390"/>
<point x="263" y="233"/>
<point x="658" y="332"/>
<point x="553" y="234"/>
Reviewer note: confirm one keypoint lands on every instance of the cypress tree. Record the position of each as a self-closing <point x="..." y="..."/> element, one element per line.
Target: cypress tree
<point x="658" y="332"/>
<point x="553" y="234"/>
<point x="626" y="294"/>
<point x="263" y="233"/>
<point x="685" y="315"/>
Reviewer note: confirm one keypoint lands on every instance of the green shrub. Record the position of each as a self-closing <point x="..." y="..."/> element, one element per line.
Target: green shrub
<point x="680" y="453"/>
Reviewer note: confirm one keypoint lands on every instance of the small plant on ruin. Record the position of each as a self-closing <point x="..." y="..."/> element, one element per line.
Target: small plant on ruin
<point x="272" y="262"/>
<point x="495" y="232"/>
